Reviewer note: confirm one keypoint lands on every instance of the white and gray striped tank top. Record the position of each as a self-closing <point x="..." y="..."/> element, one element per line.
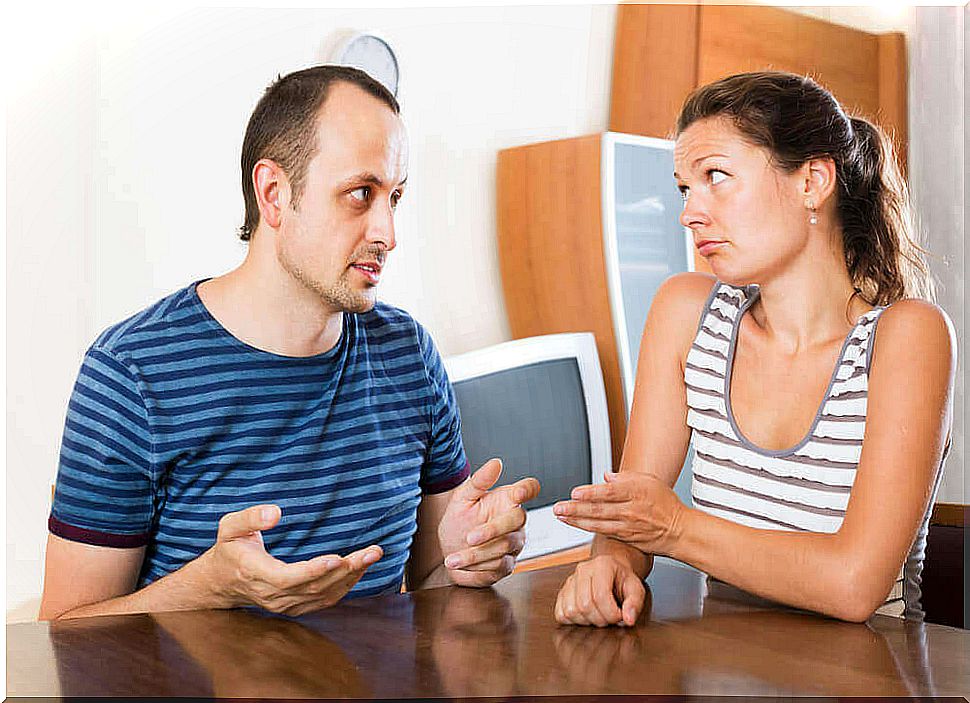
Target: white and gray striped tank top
<point x="806" y="487"/>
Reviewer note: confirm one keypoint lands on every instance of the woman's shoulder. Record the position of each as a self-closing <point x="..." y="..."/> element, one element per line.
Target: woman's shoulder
<point x="911" y="329"/>
<point x="686" y="291"/>
<point x="679" y="303"/>
<point x="917" y="321"/>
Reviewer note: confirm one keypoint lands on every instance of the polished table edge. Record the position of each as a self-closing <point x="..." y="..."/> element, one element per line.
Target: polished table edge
<point x="562" y="565"/>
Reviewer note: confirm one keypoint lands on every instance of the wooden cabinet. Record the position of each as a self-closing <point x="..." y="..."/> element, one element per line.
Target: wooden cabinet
<point x="588" y="228"/>
<point x="662" y="52"/>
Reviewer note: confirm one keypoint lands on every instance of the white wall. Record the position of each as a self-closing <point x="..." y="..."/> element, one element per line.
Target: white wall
<point x="122" y="179"/>
<point x="937" y="172"/>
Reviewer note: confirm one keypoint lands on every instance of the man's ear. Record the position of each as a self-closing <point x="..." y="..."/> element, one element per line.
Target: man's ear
<point x="819" y="180"/>
<point x="272" y="189"/>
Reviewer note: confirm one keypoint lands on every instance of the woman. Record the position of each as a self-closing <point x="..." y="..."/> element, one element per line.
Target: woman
<point x="818" y="439"/>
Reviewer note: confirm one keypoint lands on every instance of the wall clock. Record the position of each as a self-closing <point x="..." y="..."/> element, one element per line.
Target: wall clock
<point x="371" y="53"/>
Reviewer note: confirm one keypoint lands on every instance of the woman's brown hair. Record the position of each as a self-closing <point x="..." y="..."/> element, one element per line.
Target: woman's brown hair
<point x="796" y="120"/>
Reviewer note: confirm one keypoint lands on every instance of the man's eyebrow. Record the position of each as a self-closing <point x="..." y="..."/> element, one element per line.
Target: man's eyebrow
<point x="370" y="179"/>
<point x="364" y="177"/>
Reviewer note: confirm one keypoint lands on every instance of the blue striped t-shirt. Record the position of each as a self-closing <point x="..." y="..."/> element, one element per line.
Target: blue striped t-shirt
<point x="174" y="422"/>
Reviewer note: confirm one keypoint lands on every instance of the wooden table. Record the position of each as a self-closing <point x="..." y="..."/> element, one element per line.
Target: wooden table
<point x="455" y="642"/>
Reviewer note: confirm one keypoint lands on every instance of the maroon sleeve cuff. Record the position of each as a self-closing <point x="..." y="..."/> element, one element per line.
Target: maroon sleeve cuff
<point x="449" y="482"/>
<point x="93" y="537"/>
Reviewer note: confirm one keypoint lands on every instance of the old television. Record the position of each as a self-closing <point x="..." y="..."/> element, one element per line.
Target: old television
<point x="538" y="404"/>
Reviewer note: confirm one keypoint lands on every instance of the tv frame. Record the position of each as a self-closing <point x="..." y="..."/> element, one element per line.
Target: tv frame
<point x="544" y="533"/>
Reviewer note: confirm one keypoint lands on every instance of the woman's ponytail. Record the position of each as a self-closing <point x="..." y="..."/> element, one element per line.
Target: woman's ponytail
<point x="878" y="231"/>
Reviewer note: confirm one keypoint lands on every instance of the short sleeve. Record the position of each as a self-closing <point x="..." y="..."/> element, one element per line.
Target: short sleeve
<point x="104" y="477"/>
<point x="445" y="464"/>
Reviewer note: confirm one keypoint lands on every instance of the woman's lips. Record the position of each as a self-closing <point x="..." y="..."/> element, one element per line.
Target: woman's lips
<point x="706" y="247"/>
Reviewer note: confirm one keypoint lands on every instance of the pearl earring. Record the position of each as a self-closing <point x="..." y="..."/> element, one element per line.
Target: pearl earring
<point x="813" y="217"/>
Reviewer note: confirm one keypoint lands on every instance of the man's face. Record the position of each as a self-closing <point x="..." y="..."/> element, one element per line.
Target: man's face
<point x="335" y="240"/>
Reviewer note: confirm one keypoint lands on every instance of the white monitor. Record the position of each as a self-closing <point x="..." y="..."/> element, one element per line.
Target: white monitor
<point x="539" y="405"/>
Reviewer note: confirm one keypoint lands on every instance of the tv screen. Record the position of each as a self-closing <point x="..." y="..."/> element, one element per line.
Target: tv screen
<point x="533" y="417"/>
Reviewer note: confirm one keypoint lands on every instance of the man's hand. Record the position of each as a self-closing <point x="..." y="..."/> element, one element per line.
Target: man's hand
<point x="481" y="531"/>
<point x="242" y="572"/>
<point x="632" y="506"/>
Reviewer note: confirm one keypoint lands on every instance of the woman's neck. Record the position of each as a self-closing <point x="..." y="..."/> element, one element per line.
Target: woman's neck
<point x="808" y="305"/>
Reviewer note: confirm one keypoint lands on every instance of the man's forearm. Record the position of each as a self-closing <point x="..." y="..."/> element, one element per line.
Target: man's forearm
<point x="189" y="588"/>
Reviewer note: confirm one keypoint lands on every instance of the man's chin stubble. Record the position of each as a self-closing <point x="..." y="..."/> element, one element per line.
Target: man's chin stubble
<point x="340" y="299"/>
<point x="338" y="296"/>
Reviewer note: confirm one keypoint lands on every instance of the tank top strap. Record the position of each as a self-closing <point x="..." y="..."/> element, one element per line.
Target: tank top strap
<point x="857" y="351"/>
<point x="722" y="312"/>
<point x="705" y="368"/>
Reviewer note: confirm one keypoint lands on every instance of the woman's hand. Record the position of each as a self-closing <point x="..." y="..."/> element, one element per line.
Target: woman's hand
<point x="632" y="506"/>
<point x="602" y="591"/>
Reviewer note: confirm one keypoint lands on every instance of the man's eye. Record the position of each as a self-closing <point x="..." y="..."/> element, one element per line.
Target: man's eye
<point x="684" y="192"/>
<point x="716" y="176"/>
<point x="361" y="193"/>
<point x="395" y="198"/>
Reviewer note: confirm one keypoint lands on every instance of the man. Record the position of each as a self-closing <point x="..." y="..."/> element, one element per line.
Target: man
<point x="273" y="436"/>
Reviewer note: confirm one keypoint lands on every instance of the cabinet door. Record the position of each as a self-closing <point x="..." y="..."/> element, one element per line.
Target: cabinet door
<point x="645" y="241"/>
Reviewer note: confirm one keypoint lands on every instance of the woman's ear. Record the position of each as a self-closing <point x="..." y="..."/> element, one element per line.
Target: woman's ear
<point x="272" y="189"/>
<point x="820" y="180"/>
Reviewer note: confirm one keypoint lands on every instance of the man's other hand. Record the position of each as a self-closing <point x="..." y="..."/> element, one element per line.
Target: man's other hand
<point x="242" y="572"/>
<point x="483" y="530"/>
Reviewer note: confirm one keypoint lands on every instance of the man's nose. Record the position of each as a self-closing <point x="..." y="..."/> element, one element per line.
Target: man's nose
<point x="380" y="227"/>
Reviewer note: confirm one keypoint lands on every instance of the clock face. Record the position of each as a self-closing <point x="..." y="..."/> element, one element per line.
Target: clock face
<point x="373" y="55"/>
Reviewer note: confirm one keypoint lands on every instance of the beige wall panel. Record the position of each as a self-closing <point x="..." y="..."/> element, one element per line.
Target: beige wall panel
<point x="654" y="67"/>
<point x="893" y="87"/>
<point x="733" y="39"/>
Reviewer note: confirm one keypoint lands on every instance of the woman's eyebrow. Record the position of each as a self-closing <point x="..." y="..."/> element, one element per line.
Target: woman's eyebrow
<point x="707" y="156"/>
<point x="699" y="159"/>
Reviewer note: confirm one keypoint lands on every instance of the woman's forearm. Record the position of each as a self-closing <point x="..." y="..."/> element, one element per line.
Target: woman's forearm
<point x="807" y="570"/>
<point x="638" y="561"/>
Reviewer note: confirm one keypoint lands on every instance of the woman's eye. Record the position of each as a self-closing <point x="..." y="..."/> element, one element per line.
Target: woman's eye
<point x="395" y="199"/>
<point x="716" y="176"/>
<point x="361" y="193"/>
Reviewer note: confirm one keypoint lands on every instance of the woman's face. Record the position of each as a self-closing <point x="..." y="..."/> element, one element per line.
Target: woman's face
<point x="748" y="218"/>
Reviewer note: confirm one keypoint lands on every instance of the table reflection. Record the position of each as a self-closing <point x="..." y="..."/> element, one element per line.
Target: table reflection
<point x="463" y="643"/>
<point x="472" y="637"/>
<point x="251" y="655"/>
<point x="758" y="654"/>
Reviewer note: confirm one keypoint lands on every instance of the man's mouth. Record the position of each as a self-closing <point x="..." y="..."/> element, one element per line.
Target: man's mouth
<point x="371" y="270"/>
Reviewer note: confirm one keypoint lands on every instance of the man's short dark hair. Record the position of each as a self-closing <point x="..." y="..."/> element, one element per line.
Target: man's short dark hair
<point x="282" y="128"/>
